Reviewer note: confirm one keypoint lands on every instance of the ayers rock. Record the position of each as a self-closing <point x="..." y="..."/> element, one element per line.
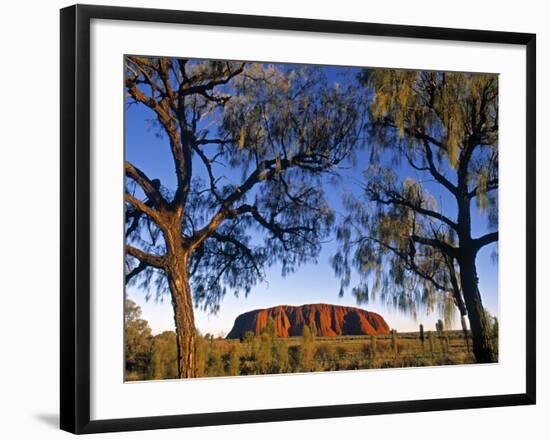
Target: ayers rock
<point x="330" y="321"/>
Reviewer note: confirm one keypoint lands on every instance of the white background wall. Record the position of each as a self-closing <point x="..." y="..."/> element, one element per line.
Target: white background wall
<point x="29" y="236"/>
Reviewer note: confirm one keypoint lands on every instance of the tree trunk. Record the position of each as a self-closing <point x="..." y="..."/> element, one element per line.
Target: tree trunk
<point x="178" y="279"/>
<point x="481" y="339"/>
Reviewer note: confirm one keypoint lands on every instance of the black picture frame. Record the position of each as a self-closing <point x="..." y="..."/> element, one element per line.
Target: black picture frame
<point x="75" y="217"/>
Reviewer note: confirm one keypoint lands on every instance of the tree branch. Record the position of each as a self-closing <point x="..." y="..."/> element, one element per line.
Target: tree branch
<point x="426" y="140"/>
<point x="149" y="187"/>
<point x="242" y="247"/>
<point x="208" y="165"/>
<point x="146" y="258"/>
<point x="141" y="206"/>
<point x="464" y="161"/>
<point x="410" y="264"/>
<point x="457" y="293"/>
<point x="435" y="173"/>
<point x="265" y="170"/>
<point x="485" y="240"/>
<point x="138" y="269"/>
<point x="491" y="185"/>
<point x="202" y="89"/>
<point x="166" y="119"/>
<point x="397" y="199"/>
<point x="205" y="141"/>
<point x="442" y="246"/>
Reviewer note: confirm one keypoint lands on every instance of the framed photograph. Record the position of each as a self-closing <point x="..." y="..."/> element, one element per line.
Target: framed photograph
<point x="267" y="219"/>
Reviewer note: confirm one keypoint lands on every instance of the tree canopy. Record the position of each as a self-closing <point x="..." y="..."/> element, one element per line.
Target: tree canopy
<point x="279" y="130"/>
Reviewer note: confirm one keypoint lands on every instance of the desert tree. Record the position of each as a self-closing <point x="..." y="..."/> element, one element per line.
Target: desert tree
<point x="248" y="145"/>
<point x="433" y="138"/>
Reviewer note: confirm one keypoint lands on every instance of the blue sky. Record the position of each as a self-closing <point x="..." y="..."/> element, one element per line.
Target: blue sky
<point x="311" y="283"/>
